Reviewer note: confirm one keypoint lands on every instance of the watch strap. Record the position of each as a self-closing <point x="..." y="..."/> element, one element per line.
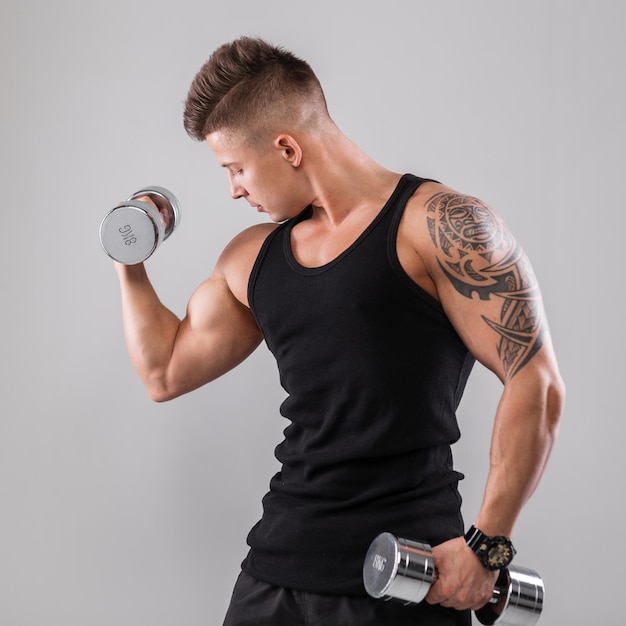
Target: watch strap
<point x="474" y="538"/>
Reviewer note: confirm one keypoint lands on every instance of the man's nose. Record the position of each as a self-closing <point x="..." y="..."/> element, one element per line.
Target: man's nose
<point x="237" y="190"/>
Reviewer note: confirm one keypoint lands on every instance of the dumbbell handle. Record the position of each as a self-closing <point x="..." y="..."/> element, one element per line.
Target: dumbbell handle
<point x="495" y="594"/>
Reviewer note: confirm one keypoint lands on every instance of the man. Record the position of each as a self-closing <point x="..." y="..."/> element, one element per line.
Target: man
<point x="375" y="291"/>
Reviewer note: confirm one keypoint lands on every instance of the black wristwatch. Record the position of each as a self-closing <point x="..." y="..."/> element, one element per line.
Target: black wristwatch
<point x="493" y="552"/>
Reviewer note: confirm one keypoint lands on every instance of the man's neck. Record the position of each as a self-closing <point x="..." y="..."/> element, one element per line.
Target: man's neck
<point x="344" y="179"/>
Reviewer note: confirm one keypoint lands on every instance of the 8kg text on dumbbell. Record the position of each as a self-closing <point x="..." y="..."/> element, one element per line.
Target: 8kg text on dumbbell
<point x="128" y="236"/>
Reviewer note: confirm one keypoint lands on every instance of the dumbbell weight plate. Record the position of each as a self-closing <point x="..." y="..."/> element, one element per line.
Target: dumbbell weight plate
<point x="520" y="600"/>
<point x="398" y="568"/>
<point x="132" y="231"/>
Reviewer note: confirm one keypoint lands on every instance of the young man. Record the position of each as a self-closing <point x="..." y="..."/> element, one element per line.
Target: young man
<point x="375" y="291"/>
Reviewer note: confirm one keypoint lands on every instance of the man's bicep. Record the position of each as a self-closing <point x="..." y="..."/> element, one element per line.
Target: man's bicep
<point x="486" y="283"/>
<point x="217" y="333"/>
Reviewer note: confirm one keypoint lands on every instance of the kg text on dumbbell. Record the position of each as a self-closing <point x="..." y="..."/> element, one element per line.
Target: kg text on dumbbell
<point x="404" y="570"/>
<point x="132" y="231"/>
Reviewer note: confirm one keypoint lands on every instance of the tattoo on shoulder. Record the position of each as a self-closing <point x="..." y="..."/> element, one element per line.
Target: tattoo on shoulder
<point x="479" y="256"/>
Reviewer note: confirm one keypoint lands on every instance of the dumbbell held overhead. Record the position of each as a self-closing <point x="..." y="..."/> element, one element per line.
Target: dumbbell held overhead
<point x="404" y="570"/>
<point x="132" y="231"/>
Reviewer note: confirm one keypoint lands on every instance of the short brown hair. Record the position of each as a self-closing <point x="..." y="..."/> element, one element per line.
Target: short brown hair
<point x="244" y="84"/>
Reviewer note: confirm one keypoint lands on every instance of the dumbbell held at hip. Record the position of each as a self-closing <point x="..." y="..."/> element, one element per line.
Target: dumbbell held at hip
<point x="404" y="570"/>
<point x="132" y="231"/>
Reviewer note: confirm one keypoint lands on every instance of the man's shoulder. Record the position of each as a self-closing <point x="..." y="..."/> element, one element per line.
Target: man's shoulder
<point x="248" y="242"/>
<point x="433" y="201"/>
<point x="237" y="260"/>
<point x="436" y="209"/>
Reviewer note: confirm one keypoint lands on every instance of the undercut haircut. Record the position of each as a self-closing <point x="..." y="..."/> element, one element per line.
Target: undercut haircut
<point x="248" y="85"/>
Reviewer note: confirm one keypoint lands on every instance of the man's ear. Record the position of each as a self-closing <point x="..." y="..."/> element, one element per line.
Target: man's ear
<point x="290" y="149"/>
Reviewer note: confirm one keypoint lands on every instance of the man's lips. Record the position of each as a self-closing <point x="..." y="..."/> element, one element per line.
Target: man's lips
<point x="258" y="207"/>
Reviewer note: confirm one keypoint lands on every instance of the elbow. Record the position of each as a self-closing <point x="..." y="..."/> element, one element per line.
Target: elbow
<point x="161" y="393"/>
<point x="165" y="385"/>
<point x="158" y="389"/>
<point x="159" y="396"/>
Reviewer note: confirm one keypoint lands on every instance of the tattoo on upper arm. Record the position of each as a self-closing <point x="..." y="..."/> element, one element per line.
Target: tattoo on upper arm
<point x="479" y="256"/>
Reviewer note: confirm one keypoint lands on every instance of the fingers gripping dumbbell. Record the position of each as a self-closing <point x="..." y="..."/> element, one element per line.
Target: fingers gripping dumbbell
<point x="404" y="570"/>
<point x="132" y="231"/>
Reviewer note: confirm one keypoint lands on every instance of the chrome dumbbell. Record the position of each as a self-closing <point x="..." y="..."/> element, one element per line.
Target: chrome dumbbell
<point x="404" y="570"/>
<point x="132" y="231"/>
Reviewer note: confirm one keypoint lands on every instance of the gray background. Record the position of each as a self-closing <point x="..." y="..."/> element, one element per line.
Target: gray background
<point x="115" y="510"/>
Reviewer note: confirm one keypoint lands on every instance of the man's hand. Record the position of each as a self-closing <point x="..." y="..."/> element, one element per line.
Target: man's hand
<point x="462" y="583"/>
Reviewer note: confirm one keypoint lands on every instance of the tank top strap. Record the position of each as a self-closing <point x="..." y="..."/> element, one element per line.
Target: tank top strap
<point x="408" y="185"/>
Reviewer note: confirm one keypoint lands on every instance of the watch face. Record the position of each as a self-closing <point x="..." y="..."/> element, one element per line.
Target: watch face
<point x="499" y="555"/>
<point x="493" y="552"/>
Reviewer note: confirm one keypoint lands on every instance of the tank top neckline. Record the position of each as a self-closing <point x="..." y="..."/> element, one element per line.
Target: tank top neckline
<point x="305" y="214"/>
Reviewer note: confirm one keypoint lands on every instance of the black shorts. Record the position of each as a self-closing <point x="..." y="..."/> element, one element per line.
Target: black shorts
<point x="255" y="603"/>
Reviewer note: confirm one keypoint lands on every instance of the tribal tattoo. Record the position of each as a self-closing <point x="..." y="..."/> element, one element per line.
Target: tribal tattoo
<point x="479" y="256"/>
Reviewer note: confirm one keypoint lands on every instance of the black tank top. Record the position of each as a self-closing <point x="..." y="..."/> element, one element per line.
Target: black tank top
<point x="374" y="372"/>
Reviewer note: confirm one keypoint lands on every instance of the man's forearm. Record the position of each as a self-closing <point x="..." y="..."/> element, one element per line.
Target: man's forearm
<point x="150" y="328"/>
<point x="523" y="437"/>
